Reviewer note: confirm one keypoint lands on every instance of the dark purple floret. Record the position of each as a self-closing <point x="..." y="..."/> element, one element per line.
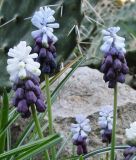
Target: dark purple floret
<point x="112" y="83"/>
<point x="31" y="97"/>
<point x="121" y="57"/>
<point x="80" y="142"/>
<point x="37" y="91"/>
<point x="26" y="114"/>
<point x="110" y="74"/>
<point x="103" y="68"/>
<point x="52" y="48"/>
<point x="79" y="150"/>
<point x="42" y="53"/>
<point x="15" y="101"/>
<point x="125" y="68"/>
<point x="38" y="41"/>
<point x="129" y="152"/>
<point x="22" y="106"/>
<point x="29" y="85"/>
<point x="117" y="64"/>
<point x="46" y="69"/>
<point x="20" y="93"/>
<point x="40" y="106"/>
<point x="121" y="78"/>
<point x="106" y="136"/>
<point x="105" y="78"/>
<point x="36" y="49"/>
<point x="109" y="60"/>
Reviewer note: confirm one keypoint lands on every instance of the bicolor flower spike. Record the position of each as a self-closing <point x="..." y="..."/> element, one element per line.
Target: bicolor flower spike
<point x="114" y="65"/>
<point x="24" y="72"/>
<point x="45" y="22"/>
<point x="80" y="132"/>
<point x="21" y="62"/>
<point x="105" y="122"/>
<point x="131" y="134"/>
<point x="45" y="39"/>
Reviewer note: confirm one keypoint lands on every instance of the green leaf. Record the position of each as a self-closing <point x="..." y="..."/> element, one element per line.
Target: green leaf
<point x="104" y="150"/>
<point x="47" y="142"/>
<point x="81" y="158"/>
<point x="4" y="120"/>
<point x="8" y="124"/>
<point x="8" y="139"/>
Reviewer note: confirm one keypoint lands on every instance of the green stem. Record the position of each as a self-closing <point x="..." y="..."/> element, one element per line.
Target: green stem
<point x="113" y="143"/>
<point x="49" y="112"/>
<point x="38" y="128"/>
<point x="49" y="105"/>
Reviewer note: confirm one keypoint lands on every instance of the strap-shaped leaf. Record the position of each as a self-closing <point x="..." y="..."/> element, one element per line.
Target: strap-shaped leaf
<point x="47" y="142"/>
<point x="4" y="120"/>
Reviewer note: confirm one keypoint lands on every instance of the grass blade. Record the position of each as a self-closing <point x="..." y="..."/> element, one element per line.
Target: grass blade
<point x="8" y="124"/>
<point x="38" y="149"/>
<point x="4" y="120"/>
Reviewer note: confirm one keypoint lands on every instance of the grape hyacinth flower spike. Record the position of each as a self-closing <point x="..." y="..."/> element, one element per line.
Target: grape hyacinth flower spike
<point x="24" y="72"/>
<point x="114" y="65"/>
<point x="80" y="132"/>
<point x="105" y="122"/>
<point x="44" y="38"/>
<point x="131" y="140"/>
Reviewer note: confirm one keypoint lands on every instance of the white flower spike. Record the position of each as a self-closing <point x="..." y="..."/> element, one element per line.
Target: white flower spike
<point x="82" y="127"/>
<point x="45" y="22"/>
<point x="131" y="134"/>
<point x="111" y="39"/>
<point x="21" y="62"/>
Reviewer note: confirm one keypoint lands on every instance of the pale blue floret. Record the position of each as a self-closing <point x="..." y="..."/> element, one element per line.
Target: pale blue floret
<point x="112" y="40"/>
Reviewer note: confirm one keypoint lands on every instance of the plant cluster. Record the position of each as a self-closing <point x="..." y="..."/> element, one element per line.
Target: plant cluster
<point x="26" y="64"/>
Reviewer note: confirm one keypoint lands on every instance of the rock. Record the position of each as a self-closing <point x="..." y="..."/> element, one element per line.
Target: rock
<point x="84" y="93"/>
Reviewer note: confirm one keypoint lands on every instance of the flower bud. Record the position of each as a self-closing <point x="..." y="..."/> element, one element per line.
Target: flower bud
<point x="22" y="106"/>
<point x="29" y="85"/>
<point x="42" y="53"/>
<point x="121" y="78"/>
<point x="40" y="106"/>
<point x="117" y="64"/>
<point x="30" y="96"/>
<point x="19" y="93"/>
